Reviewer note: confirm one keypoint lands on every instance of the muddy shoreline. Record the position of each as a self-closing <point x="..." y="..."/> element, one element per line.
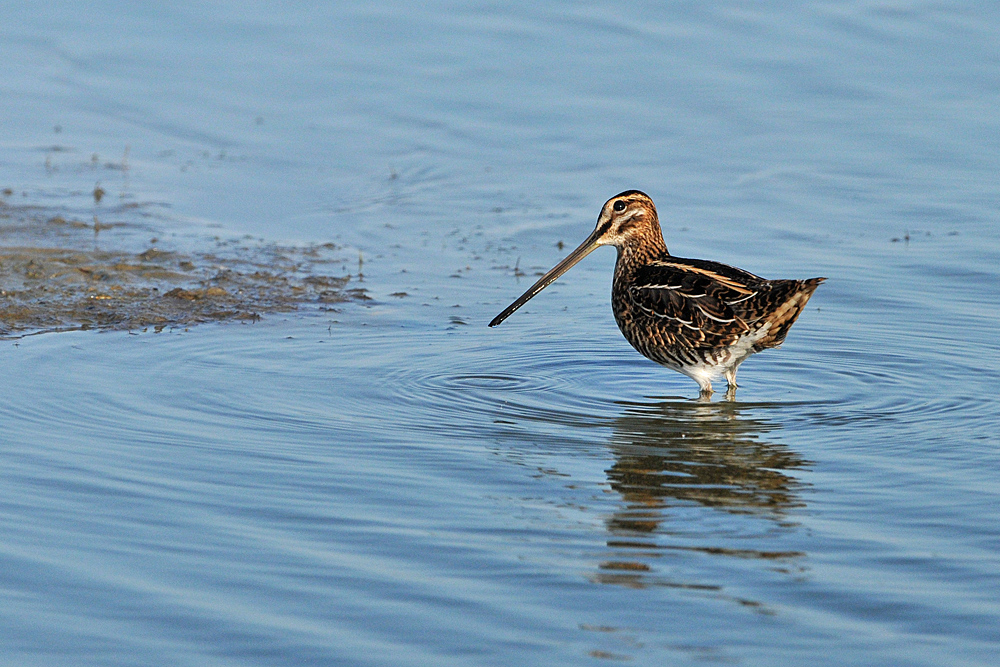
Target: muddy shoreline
<point x="60" y="271"/>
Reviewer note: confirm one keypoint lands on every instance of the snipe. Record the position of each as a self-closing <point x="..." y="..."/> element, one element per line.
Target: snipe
<point x="695" y="316"/>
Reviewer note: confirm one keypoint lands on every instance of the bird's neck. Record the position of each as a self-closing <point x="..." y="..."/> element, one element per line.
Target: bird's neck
<point x="633" y="255"/>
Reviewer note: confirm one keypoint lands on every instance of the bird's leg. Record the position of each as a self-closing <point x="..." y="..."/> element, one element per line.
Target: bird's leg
<point x="731" y="393"/>
<point x="706" y="390"/>
<point x="731" y="378"/>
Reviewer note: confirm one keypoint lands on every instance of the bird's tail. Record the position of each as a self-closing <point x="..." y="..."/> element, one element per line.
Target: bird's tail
<point x="795" y="295"/>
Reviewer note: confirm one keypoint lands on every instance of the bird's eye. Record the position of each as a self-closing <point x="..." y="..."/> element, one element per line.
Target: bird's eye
<point x="619" y="205"/>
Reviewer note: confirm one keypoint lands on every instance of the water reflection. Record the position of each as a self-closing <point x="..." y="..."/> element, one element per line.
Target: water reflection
<point x="698" y="478"/>
<point x="708" y="453"/>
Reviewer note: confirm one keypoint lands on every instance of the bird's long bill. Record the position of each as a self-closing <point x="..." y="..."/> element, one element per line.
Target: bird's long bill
<point x="562" y="267"/>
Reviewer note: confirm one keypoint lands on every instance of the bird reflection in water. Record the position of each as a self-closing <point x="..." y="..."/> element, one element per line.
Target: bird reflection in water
<point x="674" y="460"/>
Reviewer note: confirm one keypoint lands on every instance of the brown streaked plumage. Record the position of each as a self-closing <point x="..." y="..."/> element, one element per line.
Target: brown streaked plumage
<point x="698" y="317"/>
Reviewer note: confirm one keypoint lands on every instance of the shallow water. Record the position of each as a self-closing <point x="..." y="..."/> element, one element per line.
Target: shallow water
<point x="395" y="483"/>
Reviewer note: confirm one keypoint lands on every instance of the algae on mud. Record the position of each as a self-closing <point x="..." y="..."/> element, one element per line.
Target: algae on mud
<point x="62" y="274"/>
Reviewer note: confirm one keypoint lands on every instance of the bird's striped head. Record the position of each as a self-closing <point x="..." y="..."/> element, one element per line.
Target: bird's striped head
<point x="627" y="219"/>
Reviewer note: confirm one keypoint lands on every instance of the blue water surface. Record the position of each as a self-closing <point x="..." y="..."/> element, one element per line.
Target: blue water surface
<point x="393" y="483"/>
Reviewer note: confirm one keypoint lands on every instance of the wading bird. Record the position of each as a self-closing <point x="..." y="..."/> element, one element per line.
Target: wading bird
<point x="698" y="317"/>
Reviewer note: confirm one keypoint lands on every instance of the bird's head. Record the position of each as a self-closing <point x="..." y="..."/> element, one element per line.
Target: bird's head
<point x="627" y="221"/>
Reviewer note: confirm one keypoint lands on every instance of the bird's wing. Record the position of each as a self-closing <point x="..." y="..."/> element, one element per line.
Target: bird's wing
<point x="700" y="302"/>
